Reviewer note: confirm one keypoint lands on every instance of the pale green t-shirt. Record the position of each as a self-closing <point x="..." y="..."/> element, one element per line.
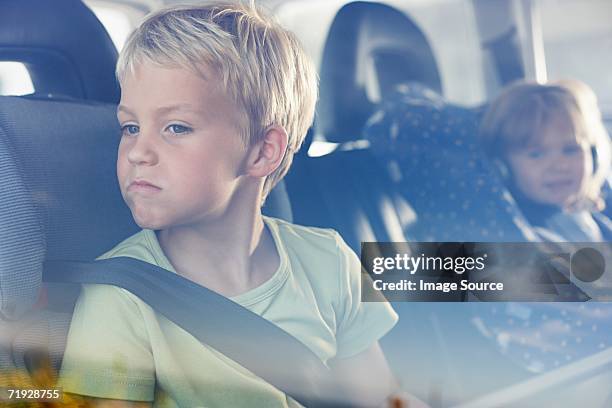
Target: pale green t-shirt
<point x="119" y="348"/>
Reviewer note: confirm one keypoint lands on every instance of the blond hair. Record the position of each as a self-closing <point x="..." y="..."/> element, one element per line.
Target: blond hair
<point x="514" y="121"/>
<point x="596" y="132"/>
<point x="262" y="66"/>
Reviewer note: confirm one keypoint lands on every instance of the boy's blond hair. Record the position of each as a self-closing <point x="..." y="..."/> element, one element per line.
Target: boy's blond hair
<point x="262" y="66"/>
<point x="514" y="121"/>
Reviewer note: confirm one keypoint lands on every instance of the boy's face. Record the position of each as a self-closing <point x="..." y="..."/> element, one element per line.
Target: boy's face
<point x="555" y="170"/>
<point x="181" y="153"/>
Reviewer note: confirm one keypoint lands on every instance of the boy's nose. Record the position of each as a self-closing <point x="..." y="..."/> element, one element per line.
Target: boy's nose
<point x="143" y="150"/>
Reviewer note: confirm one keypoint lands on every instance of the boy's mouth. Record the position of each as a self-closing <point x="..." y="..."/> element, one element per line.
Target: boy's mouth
<point x="143" y="186"/>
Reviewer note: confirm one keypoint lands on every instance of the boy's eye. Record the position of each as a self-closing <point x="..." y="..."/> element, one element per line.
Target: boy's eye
<point x="178" y="129"/>
<point x="129" y="130"/>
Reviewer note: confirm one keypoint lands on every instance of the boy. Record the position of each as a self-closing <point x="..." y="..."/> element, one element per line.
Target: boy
<point x="215" y="101"/>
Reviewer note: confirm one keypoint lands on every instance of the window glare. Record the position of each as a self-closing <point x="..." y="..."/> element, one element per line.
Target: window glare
<point x="15" y="79"/>
<point x="577" y="42"/>
<point x="116" y="22"/>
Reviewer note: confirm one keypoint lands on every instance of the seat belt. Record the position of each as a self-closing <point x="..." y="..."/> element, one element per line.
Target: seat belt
<point x="240" y="334"/>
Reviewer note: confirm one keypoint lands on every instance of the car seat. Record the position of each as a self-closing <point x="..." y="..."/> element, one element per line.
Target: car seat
<point x="429" y="148"/>
<point x="347" y="189"/>
<point x="64" y="47"/>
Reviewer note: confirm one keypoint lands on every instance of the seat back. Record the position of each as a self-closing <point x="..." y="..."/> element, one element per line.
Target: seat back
<point x="75" y="59"/>
<point x="350" y="192"/>
<point x="347" y="189"/>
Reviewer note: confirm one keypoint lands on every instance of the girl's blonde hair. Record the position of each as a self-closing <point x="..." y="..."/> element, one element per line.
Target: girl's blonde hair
<point x="516" y="118"/>
<point x="261" y="66"/>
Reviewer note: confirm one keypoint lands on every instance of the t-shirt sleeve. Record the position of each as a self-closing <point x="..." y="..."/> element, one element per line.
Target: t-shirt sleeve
<point x="108" y="353"/>
<point x="360" y="324"/>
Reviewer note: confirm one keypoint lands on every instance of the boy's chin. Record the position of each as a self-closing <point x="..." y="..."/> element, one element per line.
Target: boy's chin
<point x="145" y="225"/>
<point x="148" y="224"/>
<point x="145" y="218"/>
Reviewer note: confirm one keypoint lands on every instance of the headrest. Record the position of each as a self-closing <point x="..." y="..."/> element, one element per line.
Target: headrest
<point x="65" y="48"/>
<point x="365" y="41"/>
<point x="430" y="150"/>
<point x="59" y="193"/>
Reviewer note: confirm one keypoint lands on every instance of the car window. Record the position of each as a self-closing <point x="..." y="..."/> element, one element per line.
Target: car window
<point x="119" y="20"/>
<point x="450" y="26"/>
<point x="14" y="79"/>
<point x="583" y="27"/>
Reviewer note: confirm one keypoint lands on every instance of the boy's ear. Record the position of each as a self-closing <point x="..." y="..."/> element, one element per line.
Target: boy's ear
<point x="268" y="153"/>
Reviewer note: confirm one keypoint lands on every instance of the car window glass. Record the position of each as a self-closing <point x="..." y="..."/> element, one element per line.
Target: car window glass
<point x="119" y="21"/>
<point x="582" y="26"/>
<point x="450" y="26"/>
<point x="14" y="79"/>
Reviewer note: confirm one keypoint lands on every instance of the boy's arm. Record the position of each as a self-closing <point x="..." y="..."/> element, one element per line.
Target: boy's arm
<point x="112" y="403"/>
<point x="359" y="367"/>
<point x="366" y="379"/>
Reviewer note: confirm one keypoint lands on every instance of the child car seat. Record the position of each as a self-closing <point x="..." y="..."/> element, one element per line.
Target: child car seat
<point x="429" y="148"/>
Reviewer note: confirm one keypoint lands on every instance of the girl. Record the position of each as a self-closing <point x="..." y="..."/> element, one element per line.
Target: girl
<point x="553" y="152"/>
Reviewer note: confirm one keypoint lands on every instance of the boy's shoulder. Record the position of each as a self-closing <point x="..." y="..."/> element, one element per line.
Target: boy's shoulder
<point x="319" y="253"/>
<point x="318" y="258"/>
<point x="314" y="243"/>
<point x="137" y="246"/>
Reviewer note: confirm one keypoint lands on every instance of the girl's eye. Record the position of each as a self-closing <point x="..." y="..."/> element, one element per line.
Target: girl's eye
<point x="129" y="130"/>
<point x="535" y="154"/>
<point x="571" y="150"/>
<point x="178" y="129"/>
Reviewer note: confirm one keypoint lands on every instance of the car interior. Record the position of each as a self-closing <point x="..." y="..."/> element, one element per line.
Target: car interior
<point x="58" y="185"/>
